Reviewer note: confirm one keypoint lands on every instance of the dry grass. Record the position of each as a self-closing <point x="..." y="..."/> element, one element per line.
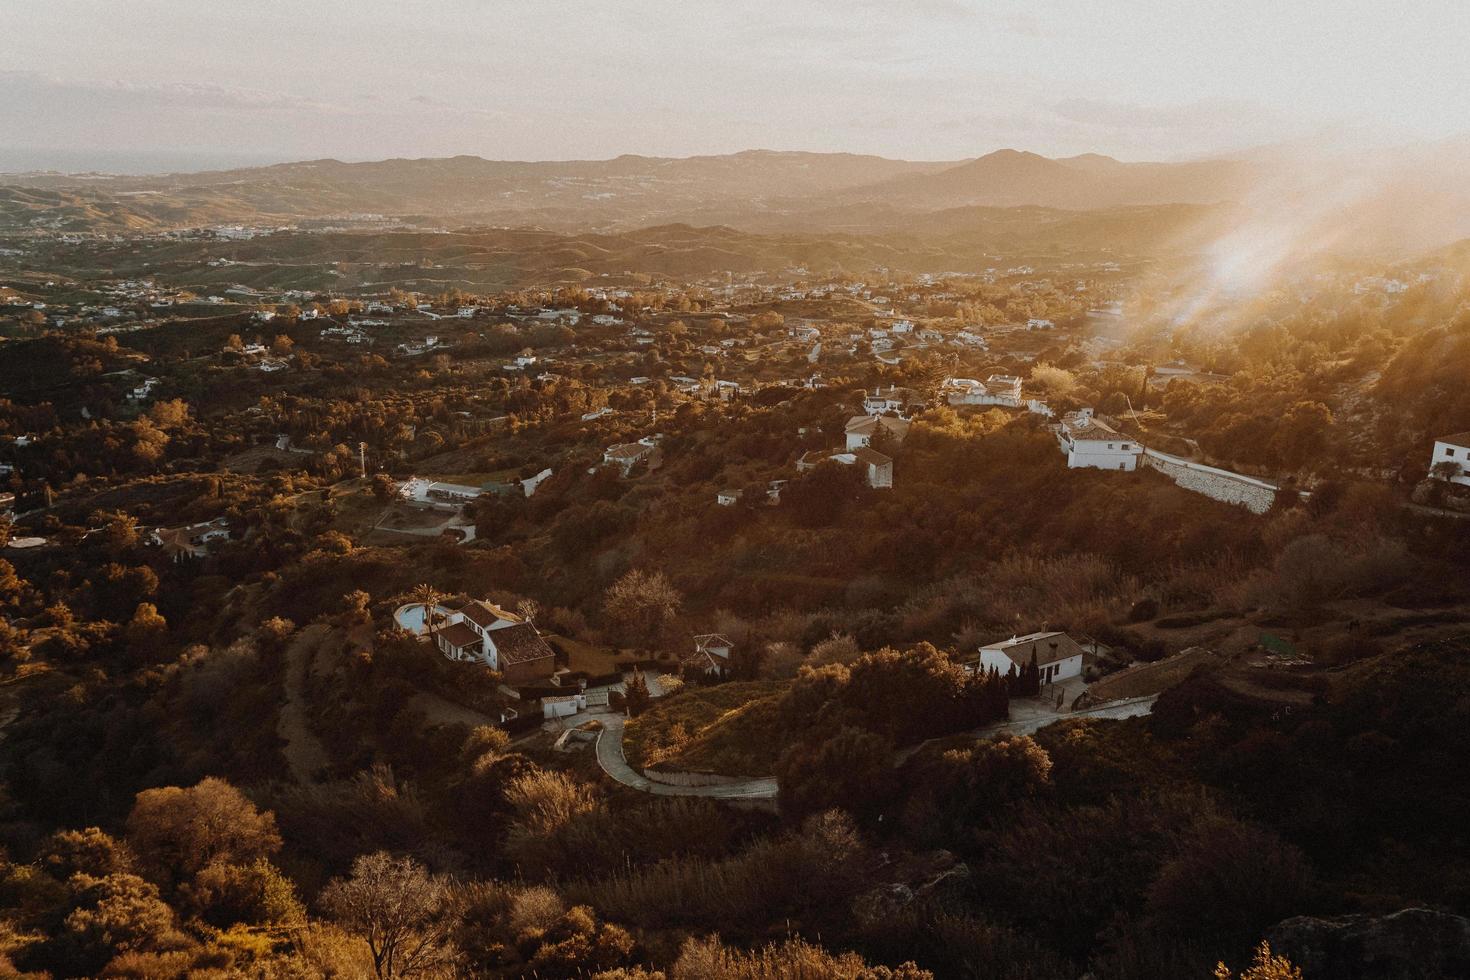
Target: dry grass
<point x="590" y="657"/>
<point x="728" y="729"/>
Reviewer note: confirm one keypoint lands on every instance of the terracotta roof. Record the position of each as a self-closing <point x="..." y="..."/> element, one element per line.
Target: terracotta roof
<point x="520" y="644"/>
<point x="871" y="456"/>
<point x="1049" y="648"/>
<point x="628" y="450"/>
<point x="458" y="635"/>
<point x="1093" y="428"/>
<point x="865" y="424"/>
<point x="1459" y="439"/>
<point x="485" y="615"/>
<point x="704" y="641"/>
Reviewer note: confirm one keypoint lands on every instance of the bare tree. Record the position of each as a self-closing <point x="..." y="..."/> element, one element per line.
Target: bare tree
<point x="641" y="606"/>
<point x="400" y="910"/>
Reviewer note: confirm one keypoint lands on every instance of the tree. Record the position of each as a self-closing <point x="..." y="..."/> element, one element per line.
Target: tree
<point x="145" y="633"/>
<point x="399" y="910"/>
<point x="640" y="606"/>
<point x="850" y="770"/>
<point x="1446" y="469"/>
<point x="1266" y="966"/>
<point x="637" y="695"/>
<point x="177" y="832"/>
<point x="428" y="597"/>
<point x="151" y="440"/>
<point x="169" y="414"/>
<point x="113" y="914"/>
<point x="282" y="345"/>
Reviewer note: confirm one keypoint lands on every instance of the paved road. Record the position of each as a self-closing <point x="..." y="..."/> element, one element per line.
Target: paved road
<point x="610" y="750"/>
<point x="610" y="757"/>
<point x="1129" y="708"/>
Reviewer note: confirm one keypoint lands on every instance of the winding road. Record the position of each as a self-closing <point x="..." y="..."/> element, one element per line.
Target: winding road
<point x="610" y="750"/>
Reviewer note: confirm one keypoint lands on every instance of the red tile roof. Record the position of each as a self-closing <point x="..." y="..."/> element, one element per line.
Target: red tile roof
<point x="459" y="635"/>
<point x="519" y="644"/>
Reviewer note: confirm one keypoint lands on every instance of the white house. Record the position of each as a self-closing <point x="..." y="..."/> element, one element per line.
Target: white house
<point x="861" y="429"/>
<point x="502" y="641"/>
<point x="891" y="399"/>
<point x="626" y="455"/>
<point x="1090" y="442"/>
<point x="1037" y="323"/>
<point x="1058" y="656"/>
<point x="711" y="654"/>
<point x="877" y="468"/>
<point x="1452" y="457"/>
<point x="727" y="498"/>
<point x="440" y="496"/>
<point x="998" y="389"/>
<point x="190" y="541"/>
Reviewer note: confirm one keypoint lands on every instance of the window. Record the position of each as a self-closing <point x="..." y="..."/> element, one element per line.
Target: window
<point x="1127" y="445"/>
<point x="1111" y="446"/>
<point x="1448" y="452"/>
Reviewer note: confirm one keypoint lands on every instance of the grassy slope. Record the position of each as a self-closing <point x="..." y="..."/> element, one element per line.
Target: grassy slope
<point x="730" y="728"/>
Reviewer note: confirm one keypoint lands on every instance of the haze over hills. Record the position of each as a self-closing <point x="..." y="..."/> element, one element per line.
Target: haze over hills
<point x="762" y="190"/>
<point x="1257" y="211"/>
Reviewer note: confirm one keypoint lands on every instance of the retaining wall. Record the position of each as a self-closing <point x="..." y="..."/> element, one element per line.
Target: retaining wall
<point x="693" y="778"/>
<point x="1254" y="495"/>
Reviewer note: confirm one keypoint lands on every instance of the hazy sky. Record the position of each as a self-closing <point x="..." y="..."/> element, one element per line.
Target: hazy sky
<point x="85" y="82"/>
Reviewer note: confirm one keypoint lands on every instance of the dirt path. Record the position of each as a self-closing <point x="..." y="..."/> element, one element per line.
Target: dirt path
<point x="303" y="750"/>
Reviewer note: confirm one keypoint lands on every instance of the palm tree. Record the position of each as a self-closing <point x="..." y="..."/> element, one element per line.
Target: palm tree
<point x="429" y="597"/>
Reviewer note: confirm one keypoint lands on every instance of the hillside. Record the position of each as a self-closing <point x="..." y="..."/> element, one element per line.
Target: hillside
<point x="756" y="190"/>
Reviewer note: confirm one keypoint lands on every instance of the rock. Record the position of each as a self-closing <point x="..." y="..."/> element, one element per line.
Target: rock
<point x="913" y="879"/>
<point x="1412" y="944"/>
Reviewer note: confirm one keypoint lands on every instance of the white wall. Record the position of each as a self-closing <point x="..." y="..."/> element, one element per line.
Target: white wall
<point x="1096" y="454"/>
<point x="1444" y="452"/>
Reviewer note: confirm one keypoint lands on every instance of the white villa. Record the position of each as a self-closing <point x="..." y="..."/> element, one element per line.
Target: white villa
<point x="485" y="633"/>
<point x="1090" y="442"/>
<point x="626" y="455"/>
<point x="440" y="496"/>
<point x="877" y="468"/>
<point x="998" y="389"/>
<point x="1453" y="454"/>
<point x="891" y="399"/>
<point x="1057" y="655"/>
<point x="711" y="654"/>
<point x="861" y="429"/>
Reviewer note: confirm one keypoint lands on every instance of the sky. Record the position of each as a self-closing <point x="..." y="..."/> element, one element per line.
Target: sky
<point x="139" y="85"/>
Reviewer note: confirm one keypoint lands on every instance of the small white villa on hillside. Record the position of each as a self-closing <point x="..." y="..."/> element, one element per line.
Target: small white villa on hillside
<point x="998" y="389"/>
<point x="877" y="468"/>
<point x="861" y="429"/>
<point x="1058" y="656"/>
<point x="1091" y="442"/>
<point x="711" y="654"/>
<point x="1451" y="459"/>
<point x="487" y="634"/>
<point x="891" y="399"/>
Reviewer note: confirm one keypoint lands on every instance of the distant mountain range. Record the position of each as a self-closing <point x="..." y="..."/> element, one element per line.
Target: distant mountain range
<point x="1405" y="199"/>
<point x="757" y="189"/>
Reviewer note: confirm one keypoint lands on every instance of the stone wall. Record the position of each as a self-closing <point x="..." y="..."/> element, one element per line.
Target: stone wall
<point x="1254" y="495"/>
<point x="671" y="778"/>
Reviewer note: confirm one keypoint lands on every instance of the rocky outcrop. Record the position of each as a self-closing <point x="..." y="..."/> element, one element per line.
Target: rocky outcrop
<point x="912" y="878"/>
<point x="1414" y="944"/>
